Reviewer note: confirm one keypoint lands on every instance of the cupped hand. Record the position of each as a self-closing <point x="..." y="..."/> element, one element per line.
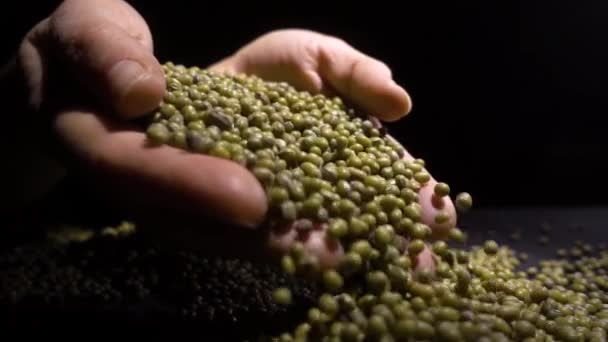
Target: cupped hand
<point x="320" y="63"/>
<point x="91" y="67"/>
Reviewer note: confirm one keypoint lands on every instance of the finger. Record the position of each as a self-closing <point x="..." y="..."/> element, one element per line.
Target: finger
<point x="362" y="79"/>
<point x="425" y="260"/>
<point x="432" y="205"/>
<point x="161" y="177"/>
<point x="108" y="48"/>
<point x="316" y="242"/>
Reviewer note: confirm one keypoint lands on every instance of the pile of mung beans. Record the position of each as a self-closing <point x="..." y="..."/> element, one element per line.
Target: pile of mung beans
<point x="326" y="166"/>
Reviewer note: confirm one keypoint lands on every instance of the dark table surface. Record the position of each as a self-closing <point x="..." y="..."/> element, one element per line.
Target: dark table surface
<point x="563" y="226"/>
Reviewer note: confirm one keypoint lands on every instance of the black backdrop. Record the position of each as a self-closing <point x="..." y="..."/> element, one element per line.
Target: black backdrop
<point x="508" y="99"/>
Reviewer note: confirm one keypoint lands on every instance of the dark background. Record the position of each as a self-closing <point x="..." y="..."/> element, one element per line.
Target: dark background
<point x="508" y="99"/>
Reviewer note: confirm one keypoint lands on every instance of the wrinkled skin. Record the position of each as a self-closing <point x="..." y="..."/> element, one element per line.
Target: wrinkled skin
<point x="105" y="49"/>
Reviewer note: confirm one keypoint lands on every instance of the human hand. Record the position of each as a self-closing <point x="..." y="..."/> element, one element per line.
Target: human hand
<point x="324" y="64"/>
<point x="90" y="70"/>
<point x="85" y="44"/>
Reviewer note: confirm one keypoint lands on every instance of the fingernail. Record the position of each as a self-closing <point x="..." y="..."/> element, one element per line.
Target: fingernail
<point x="124" y="75"/>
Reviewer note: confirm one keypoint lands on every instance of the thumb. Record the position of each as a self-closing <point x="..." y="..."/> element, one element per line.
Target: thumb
<point x="109" y="51"/>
